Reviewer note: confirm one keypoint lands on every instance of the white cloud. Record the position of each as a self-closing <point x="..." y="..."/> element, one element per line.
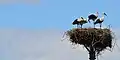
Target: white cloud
<point x="18" y="44"/>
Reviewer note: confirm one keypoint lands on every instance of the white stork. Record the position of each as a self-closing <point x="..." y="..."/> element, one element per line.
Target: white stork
<point x="100" y="20"/>
<point x="80" y="21"/>
<point x="93" y="17"/>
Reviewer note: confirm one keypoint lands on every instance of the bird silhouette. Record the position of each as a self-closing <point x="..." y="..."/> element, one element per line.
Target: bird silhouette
<point x="100" y="20"/>
<point x="79" y="22"/>
<point x="93" y="17"/>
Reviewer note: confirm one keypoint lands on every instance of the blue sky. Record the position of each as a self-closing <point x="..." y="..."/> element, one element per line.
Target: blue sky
<point x="56" y="13"/>
<point x="50" y="18"/>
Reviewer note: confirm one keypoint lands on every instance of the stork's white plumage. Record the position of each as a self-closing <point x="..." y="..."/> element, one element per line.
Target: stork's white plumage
<point x="100" y="20"/>
<point x="80" y="21"/>
<point x="93" y="16"/>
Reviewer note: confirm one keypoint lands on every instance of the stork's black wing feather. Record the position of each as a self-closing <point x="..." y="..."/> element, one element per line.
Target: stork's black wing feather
<point x="97" y="21"/>
<point x="75" y="22"/>
<point x="92" y="16"/>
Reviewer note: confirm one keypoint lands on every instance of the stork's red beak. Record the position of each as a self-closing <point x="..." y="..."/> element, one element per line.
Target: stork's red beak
<point x="105" y="14"/>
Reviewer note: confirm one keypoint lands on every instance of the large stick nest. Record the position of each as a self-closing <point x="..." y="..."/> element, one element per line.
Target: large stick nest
<point x="98" y="38"/>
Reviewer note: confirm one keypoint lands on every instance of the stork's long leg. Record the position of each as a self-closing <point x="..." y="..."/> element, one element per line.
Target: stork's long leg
<point x="94" y="25"/>
<point x="89" y="20"/>
<point x="81" y="25"/>
<point x="100" y="25"/>
<point x="77" y="26"/>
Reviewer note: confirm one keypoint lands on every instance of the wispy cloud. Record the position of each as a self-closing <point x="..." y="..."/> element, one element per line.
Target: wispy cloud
<point x="24" y="44"/>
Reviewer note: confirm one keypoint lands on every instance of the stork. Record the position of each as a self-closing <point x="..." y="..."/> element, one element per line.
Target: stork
<point x="100" y="20"/>
<point x="80" y="21"/>
<point x="93" y="17"/>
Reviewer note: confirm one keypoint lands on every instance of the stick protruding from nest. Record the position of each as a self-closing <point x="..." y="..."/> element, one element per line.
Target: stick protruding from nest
<point x="100" y="39"/>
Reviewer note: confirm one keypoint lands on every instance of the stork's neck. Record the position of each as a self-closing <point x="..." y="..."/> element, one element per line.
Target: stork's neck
<point x="103" y="16"/>
<point x="97" y="14"/>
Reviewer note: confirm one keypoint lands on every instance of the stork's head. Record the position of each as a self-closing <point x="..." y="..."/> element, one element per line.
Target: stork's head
<point x="97" y="13"/>
<point x="81" y="17"/>
<point x="104" y="14"/>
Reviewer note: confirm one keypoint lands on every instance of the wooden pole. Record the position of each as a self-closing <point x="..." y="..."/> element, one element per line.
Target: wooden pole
<point x="92" y="54"/>
<point x="92" y="50"/>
